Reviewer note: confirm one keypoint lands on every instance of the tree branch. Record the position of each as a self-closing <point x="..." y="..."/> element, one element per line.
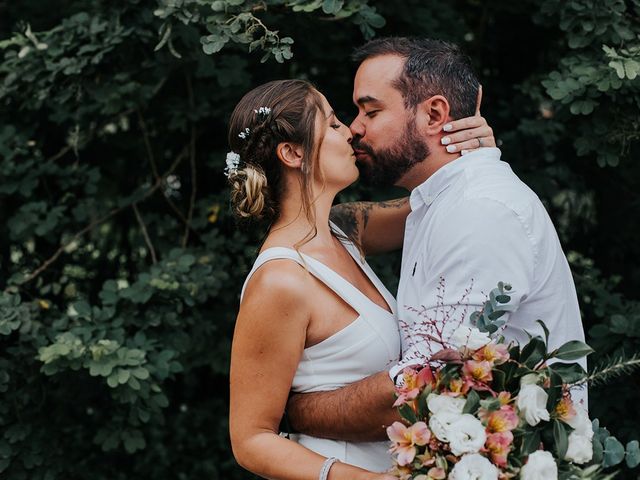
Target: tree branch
<point x="104" y="218"/>
<point x="192" y="163"/>
<point x="154" y="169"/>
<point x="145" y="233"/>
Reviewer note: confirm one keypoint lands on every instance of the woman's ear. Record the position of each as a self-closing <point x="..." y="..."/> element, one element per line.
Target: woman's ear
<point x="433" y="114"/>
<point x="290" y="154"/>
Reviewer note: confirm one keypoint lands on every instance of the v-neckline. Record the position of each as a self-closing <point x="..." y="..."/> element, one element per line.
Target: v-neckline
<point x="389" y="311"/>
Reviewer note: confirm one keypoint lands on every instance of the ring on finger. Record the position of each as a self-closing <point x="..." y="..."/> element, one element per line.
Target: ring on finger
<point x="480" y="144"/>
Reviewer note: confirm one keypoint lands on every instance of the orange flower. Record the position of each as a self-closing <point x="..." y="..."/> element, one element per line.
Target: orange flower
<point x="406" y="438"/>
<point x="495" y="353"/>
<point x="413" y="383"/>
<point x="504" y="397"/>
<point x="436" y="473"/>
<point x="499" y="445"/>
<point x="458" y="387"/>
<point x="503" y="420"/>
<point x="479" y="371"/>
<point x="565" y="409"/>
<point x="426" y="459"/>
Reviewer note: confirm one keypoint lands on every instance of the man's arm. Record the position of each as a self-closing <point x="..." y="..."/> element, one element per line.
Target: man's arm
<point x="358" y="412"/>
<point x="376" y="226"/>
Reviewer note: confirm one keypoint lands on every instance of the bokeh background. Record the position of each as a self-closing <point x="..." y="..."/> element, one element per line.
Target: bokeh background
<point x="121" y="266"/>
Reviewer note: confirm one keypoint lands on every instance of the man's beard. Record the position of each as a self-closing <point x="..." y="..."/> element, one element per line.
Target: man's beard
<point x="386" y="167"/>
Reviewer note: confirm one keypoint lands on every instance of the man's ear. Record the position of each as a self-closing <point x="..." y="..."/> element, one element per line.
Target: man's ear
<point x="291" y="154"/>
<point x="432" y="115"/>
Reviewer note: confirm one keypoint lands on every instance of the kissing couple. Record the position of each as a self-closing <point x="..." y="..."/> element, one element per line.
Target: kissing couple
<point x="317" y="332"/>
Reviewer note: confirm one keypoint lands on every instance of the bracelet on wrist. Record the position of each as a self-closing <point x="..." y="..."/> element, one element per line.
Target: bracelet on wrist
<point x="326" y="466"/>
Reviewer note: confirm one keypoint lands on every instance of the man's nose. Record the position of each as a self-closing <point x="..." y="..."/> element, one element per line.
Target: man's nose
<point x="356" y="128"/>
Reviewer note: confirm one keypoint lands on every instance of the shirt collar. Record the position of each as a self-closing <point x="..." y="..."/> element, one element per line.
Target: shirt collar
<point x="428" y="191"/>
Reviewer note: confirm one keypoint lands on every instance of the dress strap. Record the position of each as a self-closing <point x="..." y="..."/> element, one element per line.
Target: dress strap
<point x="345" y="290"/>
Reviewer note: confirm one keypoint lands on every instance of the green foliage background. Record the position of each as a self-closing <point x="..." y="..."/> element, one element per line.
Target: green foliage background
<point x="120" y="265"/>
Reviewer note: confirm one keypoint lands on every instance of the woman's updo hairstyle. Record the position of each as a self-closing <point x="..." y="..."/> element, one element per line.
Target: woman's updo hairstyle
<point x="256" y="185"/>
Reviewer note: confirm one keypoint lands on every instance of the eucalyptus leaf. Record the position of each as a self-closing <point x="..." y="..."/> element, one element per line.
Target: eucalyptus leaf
<point x="614" y="452"/>
<point x="573" y="350"/>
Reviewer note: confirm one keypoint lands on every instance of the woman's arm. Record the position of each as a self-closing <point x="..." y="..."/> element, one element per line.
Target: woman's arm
<point x="267" y="345"/>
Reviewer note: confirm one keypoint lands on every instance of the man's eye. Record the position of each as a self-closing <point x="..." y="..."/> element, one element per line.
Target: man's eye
<point x="371" y="113"/>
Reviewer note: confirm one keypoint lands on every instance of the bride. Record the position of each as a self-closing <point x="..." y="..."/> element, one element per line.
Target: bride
<point x="313" y="315"/>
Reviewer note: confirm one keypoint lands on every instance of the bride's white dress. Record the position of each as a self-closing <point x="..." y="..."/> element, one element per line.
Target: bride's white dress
<point x="370" y="344"/>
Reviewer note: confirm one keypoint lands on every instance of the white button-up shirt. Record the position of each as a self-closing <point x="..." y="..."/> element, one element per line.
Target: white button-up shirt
<point x="474" y="223"/>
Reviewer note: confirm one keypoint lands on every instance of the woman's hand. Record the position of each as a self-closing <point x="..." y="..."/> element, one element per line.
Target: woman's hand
<point x="468" y="134"/>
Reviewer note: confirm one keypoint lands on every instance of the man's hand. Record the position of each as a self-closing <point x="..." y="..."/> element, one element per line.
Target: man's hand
<point x="357" y="412"/>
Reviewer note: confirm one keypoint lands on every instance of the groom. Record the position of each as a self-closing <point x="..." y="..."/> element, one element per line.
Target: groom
<point x="472" y="224"/>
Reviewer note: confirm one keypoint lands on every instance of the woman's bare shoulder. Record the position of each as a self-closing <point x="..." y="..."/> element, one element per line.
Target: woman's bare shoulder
<point x="284" y="280"/>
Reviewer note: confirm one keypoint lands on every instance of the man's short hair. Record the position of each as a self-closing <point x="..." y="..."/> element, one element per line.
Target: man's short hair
<point x="432" y="67"/>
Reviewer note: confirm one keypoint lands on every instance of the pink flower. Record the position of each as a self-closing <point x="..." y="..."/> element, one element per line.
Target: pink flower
<point x="413" y="383"/>
<point x="504" y="397"/>
<point x="406" y="438"/>
<point x="565" y="409"/>
<point x="436" y="473"/>
<point x="479" y="371"/>
<point x="502" y="420"/>
<point x="495" y="353"/>
<point x="499" y="445"/>
<point x="458" y="387"/>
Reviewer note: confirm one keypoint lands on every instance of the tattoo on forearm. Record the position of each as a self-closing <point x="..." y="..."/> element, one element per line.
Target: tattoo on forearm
<point x="348" y="217"/>
<point x="353" y="217"/>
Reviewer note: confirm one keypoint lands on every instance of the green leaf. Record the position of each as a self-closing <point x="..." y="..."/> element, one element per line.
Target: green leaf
<point x="472" y="403"/>
<point x="573" y="350"/>
<point x="632" y="69"/>
<point x="598" y="451"/>
<point x="83" y="309"/>
<point x="633" y="454"/>
<point x="407" y="413"/>
<point x="331" y="7"/>
<point x="560" y="438"/>
<point x="533" y="352"/>
<point x="554" y="391"/>
<point x="613" y="452"/>
<point x="490" y="404"/>
<point x="569" y="372"/>
<point x="530" y="442"/>
<point x="112" y="380"/>
<point x="545" y="330"/>
<point x="218" y="6"/>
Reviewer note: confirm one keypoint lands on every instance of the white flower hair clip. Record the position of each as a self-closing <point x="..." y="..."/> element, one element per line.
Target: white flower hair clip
<point x="233" y="161"/>
<point x="263" y="111"/>
<point x="244" y="134"/>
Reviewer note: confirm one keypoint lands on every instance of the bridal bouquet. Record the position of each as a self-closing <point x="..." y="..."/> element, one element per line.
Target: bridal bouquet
<point x="482" y="409"/>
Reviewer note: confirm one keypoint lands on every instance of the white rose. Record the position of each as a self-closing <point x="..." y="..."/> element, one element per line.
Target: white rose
<point x="439" y="424"/>
<point x="469" y="337"/>
<point x="532" y="403"/>
<point x="580" y="449"/>
<point x="444" y="403"/>
<point x="580" y="422"/>
<point x="539" y="466"/>
<point x="466" y="435"/>
<point x="474" y="467"/>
